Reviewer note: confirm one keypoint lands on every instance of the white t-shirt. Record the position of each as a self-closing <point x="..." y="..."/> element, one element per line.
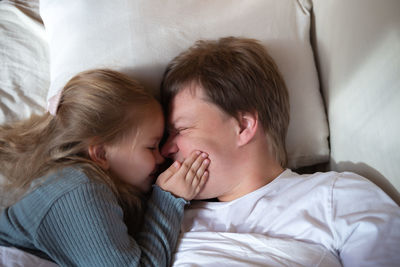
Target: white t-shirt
<point x="346" y="213"/>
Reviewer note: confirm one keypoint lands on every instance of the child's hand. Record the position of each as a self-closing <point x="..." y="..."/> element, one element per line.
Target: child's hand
<point x="187" y="179"/>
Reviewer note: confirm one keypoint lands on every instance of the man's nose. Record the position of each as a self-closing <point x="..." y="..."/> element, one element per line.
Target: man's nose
<point x="169" y="149"/>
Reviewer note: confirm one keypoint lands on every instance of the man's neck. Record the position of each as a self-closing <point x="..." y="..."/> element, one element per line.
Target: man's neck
<point x="252" y="174"/>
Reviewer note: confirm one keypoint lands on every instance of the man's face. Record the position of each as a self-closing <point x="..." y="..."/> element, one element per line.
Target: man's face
<point x="196" y="124"/>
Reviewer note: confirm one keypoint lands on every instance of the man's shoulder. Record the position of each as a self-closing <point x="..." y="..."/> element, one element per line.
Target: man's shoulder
<point x="291" y="178"/>
<point x="341" y="186"/>
<point x="330" y="177"/>
<point x="343" y="181"/>
<point x="329" y="182"/>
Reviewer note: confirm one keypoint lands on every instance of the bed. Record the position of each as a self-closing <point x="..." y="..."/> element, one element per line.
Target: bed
<point x="340" y="61"/>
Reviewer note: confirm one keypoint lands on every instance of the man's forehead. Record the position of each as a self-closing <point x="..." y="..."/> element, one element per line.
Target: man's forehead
<point x="181" y="113"/>
<point x="180" y="120"/>
<point x="185" y="105"/>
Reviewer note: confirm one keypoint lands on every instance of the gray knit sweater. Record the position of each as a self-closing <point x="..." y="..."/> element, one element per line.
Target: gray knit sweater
<point x="75" y="221"/>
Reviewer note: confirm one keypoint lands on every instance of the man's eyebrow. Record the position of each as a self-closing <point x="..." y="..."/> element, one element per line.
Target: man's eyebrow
<point x="179" y="119"/>
<point x="171" y="128"/>
<point x="172" y="125"/>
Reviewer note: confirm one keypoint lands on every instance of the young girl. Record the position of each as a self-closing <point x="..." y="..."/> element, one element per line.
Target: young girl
<point x="85" y="172"/>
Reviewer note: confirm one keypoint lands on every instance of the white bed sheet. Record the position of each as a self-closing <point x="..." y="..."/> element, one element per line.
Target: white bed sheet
<point x="238" y="249"/>
<point x="12" y="257"/>
<point x="217" y="249"/>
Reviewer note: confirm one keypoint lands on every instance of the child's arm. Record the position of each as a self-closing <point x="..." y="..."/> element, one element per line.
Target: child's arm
<point x="85" y="226"/>
<point x="165" y="212"/>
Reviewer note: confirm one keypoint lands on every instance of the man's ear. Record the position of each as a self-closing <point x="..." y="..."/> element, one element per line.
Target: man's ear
<point x="97" y="153"/>
<point x="248" y="125"/>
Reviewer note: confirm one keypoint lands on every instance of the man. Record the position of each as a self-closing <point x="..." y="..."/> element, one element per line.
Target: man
<point x="228" y="99"/>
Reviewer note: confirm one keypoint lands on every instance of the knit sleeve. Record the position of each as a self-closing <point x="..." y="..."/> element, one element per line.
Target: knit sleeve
<point x="85" y="227"/>
<point x="162" y="222"/>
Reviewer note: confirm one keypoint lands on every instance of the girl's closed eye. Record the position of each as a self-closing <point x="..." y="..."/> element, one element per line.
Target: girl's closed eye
<point x="154" y="146"/>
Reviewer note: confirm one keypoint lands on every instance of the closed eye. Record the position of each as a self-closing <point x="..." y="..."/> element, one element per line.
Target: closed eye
<point x="154" y="146"/>
<point x="180" y="130"/>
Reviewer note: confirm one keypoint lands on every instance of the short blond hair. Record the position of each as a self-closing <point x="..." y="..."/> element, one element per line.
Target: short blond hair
<point x="237" y="75"/>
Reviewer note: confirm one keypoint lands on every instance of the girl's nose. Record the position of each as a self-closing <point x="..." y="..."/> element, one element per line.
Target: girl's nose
<point x="159" y="159"/>
<point x="169" y="149"/>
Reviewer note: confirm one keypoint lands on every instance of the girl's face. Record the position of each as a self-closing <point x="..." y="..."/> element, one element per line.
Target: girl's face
<point x="135" y="160"/>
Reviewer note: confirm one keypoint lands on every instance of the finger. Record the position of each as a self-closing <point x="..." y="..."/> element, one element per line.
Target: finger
<point x="187" y="164"/>
<point x="195" y="181"/>
<point x="173" y="168"/>
<point x="196" y="177"/>
<point x="192" y="172"/>
<point x="202" y="168"/>
<point x="168" y="173"/>
<point x="202" y="182"/>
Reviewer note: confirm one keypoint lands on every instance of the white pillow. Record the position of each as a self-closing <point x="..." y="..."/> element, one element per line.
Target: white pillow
<point x="24" y="60"/>
<point x="139" y="37"/>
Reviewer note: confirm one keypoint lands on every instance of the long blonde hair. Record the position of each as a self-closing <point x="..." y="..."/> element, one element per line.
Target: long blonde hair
<point x="96" y="103"/>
